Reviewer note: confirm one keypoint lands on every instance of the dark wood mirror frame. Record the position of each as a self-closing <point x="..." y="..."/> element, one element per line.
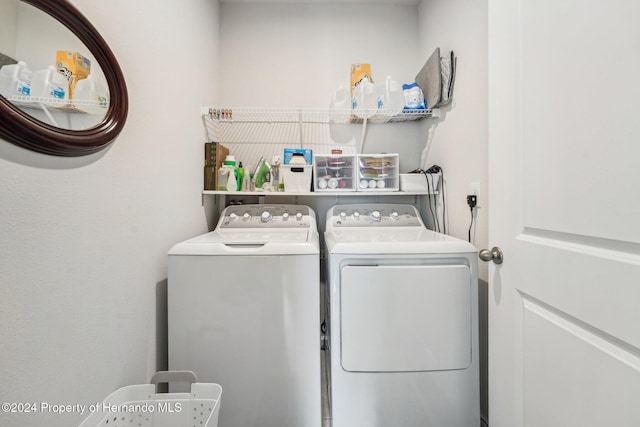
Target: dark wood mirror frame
<point x="21" y="129"/>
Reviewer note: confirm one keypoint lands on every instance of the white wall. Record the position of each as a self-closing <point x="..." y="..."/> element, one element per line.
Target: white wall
<point x="297" y="55"/>
<point x="459" y="141"/>
<point x="8" y="18"/>
<point x="83" y="241"/>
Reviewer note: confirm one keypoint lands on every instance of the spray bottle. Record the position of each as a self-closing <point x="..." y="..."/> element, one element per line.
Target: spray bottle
<point x="275" y="173"/>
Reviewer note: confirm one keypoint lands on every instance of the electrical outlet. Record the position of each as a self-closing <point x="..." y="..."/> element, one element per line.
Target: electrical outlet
<point x="475" y="190"/>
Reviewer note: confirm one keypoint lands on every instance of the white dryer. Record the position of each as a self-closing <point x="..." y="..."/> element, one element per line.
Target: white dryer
<point x="403" y="321"/>
<point x="244" y="312"/>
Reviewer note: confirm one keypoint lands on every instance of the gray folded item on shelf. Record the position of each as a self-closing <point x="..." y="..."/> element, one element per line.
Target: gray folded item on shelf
<point x="429" y="80"/>
<point x="436" y="78"/>
<point x="6" y="60"/>
<point x="454" y="66"/>
<point x="447" y="78"/>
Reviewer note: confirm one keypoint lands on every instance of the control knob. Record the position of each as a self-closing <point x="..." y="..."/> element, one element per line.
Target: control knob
<point x="266" y="216"/>
<point x="285" y="216"/>
<point x="246" y="216"/>
<point x="375" y="215"/>
<point x="394" y="215"/>
<point x="299" y="216"/>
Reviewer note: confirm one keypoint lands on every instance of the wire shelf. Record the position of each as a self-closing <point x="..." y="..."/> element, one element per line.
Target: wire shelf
<point x="319" y="116"/>
<point x="251" y="133"/>
<point x="66" y="105"/>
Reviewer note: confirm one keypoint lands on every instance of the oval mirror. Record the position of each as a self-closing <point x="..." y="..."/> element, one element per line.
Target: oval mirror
<point x="71" y="130"/>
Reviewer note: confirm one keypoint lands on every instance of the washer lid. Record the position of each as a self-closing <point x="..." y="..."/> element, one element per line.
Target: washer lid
<point x="251" y="242"/>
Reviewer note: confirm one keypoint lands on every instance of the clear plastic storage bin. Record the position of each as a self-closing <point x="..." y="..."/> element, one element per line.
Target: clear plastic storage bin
<point x="378" y="172"/>
<point x="334" y="172"/>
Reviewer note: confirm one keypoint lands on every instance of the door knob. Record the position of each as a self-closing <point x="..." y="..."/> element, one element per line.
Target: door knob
<point x="495" y="255"/>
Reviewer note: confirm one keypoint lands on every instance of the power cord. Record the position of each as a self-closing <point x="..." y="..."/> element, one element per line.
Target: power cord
<point x="433" y="200"/>
<point x="472" y="200"/>
<point x="444" y="202"/>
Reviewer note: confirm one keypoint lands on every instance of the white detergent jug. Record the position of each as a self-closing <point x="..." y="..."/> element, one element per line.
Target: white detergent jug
<point x="232" y="180"/>
<point x="365" y="99"/>
<point x="340" y="107"/>
<point x="50" y="84"/>
<point x="228" y="175"/>
<point x="90" y="93"/>
<point x="15" y="80"/>
<point x="393" y="98"/>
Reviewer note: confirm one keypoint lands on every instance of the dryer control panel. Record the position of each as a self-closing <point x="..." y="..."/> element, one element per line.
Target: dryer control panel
<point x="374" y="215"/>
<point x="266" y="216"/>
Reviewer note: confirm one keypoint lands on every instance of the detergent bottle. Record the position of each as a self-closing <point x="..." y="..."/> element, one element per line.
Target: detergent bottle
<point x="228" y="175"/>
<point x="393" y="96"/>
<point x="48" y="83"/>
<point x="241" y="183"/>
<point x="15" y="80"/>
<point x="365" y="99"/>
<point x="91" y="92"/>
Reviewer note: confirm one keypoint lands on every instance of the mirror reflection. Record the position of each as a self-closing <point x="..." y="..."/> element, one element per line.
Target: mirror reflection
<point x="47" y="71"/>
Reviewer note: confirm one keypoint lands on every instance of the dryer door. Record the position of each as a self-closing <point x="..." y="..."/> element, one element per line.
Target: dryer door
<point x="398" y="318"/>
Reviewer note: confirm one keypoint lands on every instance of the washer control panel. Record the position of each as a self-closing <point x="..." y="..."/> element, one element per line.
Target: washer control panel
<point x="265" y="216"/>
<point x="374" y="215"/>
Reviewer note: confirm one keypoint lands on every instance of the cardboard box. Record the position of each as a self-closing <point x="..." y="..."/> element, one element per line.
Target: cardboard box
<point x="358" y="72"/>
<point x="73" y="66"/>
<point x="214" y="155"/>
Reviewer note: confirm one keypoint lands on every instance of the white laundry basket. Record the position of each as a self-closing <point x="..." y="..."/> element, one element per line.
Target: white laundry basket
<point x="141" y="406"/>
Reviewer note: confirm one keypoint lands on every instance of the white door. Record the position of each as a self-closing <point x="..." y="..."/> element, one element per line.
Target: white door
<point x="564" y="132"/>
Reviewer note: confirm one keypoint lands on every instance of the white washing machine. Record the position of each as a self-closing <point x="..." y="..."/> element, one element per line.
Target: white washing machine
<point x="403" y="321"/>
<point x="244" y="312"/>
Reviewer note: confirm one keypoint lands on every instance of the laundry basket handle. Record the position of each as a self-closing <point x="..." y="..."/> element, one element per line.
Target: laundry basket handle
<point x="172" y="377"/>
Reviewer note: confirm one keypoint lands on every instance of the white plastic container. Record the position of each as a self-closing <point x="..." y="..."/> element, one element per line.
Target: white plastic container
<point x="49" y="84"/>
<point x="297" y="178"/>
<point x="228" y="175"/>
<point x="378" y="172"/>
<point x="15" y="80"/>
<point x="340" y="107"/>
<point x="365" y="99"/>
<point x="141" y="405"/>
<point x="418" y="182"/>
<point x="334" y="172"/>
<point x="91" y="93"/>
<point x="393" y="97"/>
